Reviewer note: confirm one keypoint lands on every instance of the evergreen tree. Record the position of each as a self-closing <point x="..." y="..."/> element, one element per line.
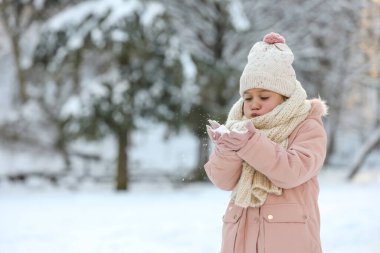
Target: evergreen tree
<point x="135" y="72"/>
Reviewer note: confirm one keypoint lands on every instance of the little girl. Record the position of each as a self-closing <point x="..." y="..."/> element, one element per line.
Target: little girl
<point x="269" y="154"/>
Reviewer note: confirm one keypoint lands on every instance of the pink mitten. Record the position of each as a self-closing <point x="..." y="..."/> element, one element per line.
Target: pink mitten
<point x="214" y="124"/>
<point x="215" y="132"/>
<point x="214" y="136"/>
<point x="236" y="140"/>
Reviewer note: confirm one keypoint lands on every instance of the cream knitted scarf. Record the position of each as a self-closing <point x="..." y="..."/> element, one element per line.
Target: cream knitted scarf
<point x="253" y="187"/>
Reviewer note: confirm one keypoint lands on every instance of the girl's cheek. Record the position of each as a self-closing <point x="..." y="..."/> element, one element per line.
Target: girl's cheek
<point x="245" y="110"/>
<point x="246" y="106"/>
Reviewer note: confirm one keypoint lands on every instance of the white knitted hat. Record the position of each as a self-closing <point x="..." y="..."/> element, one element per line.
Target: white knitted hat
<point x="269" y="67"/>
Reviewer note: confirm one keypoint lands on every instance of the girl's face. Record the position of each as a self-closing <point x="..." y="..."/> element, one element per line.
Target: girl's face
<point x="258" y="102"/>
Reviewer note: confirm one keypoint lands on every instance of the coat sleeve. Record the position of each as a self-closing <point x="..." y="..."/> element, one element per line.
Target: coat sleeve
<point x="291" y="167"/>
<point x="224" y="169"/>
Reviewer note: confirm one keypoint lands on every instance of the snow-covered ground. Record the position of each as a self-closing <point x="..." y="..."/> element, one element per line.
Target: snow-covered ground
<point x="166" y="219"/>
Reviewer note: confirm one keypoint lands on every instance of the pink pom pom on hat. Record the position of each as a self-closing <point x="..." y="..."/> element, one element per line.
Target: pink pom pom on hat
<point x="272" y="38"/>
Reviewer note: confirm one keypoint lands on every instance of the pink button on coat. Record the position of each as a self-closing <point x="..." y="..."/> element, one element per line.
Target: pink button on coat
<point x="289" y="223"/>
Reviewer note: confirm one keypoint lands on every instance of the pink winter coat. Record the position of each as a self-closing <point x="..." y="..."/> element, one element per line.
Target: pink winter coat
<point x="289" y="223"/>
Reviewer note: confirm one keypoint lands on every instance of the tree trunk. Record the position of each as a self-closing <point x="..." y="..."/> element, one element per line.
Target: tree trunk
<point x="199" y="174"/>
<point x="335" y="110"/>
<point x="378" y="107"/>
<point x="333" y="129"/>
<point x="365" y="150"/>
<point x="20" y="73"/>
<point x="122" y="162"/>
<point x="77" y="61"/>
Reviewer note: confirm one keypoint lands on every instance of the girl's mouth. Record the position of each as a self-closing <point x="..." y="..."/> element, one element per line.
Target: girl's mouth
<point x="254" y="115"/>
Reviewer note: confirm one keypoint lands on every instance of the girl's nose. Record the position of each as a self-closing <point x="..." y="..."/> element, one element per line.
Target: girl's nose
<point x="255" y="105"/>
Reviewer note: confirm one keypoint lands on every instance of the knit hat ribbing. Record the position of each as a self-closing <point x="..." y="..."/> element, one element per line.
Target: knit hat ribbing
<point x="269" y="67"/>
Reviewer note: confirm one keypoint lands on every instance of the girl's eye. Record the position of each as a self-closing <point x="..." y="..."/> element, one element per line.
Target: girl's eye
<point x="264" y="98"/>
<point x="248" y="99"/>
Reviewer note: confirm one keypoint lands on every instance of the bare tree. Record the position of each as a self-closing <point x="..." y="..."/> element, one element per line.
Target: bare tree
<point x="369" y="83"/>
<point x="19" y="18"/>
<point x="209" y="34"/>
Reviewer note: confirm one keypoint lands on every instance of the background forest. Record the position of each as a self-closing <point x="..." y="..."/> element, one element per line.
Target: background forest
<point x="113" y="91"/>
<point x="103" y="112"/>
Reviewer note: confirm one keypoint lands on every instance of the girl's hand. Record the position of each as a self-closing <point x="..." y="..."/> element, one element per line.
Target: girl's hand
<point x="214" y="124"/>
<point x="236" y="140"/>
<point x="214" y="135"/>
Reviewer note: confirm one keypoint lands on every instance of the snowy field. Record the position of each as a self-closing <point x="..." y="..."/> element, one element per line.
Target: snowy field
<point x="166" y="219"/>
